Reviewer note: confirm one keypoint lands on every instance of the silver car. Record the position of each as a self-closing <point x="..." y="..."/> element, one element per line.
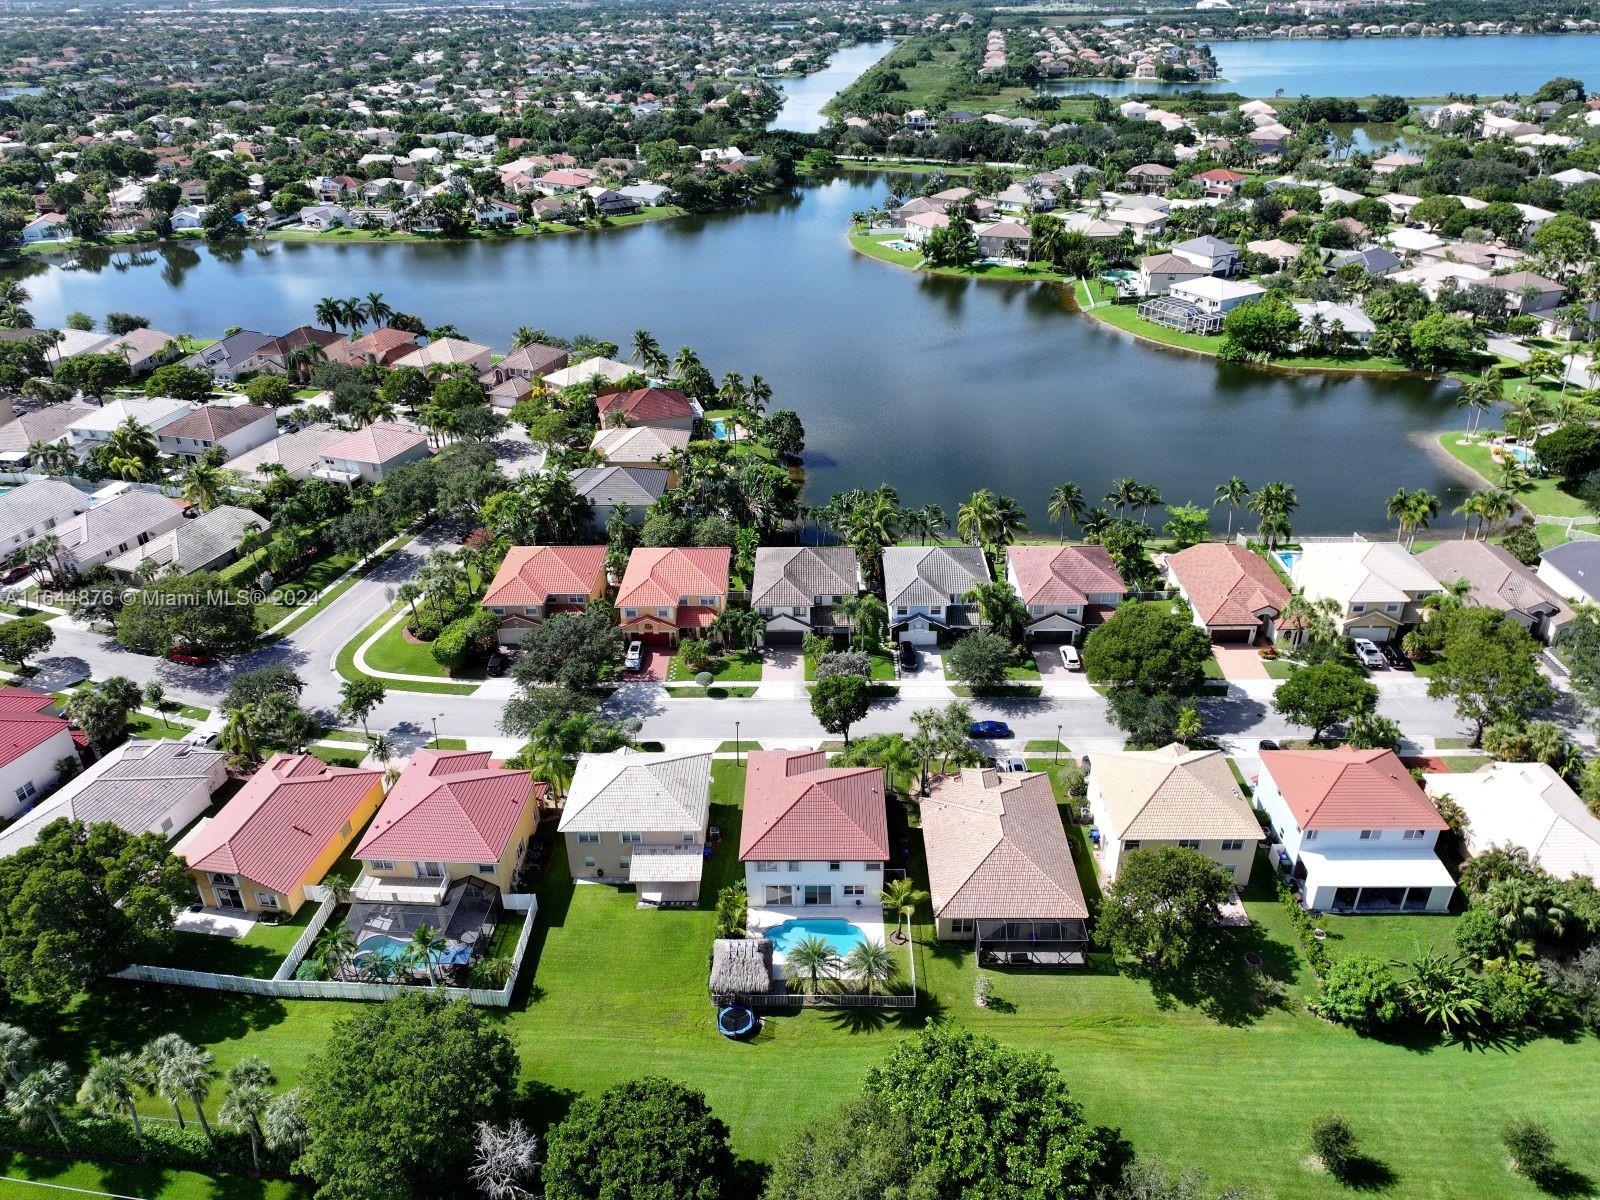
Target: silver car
<point x="634" y="658"/>
<point x="1368" y="653"/>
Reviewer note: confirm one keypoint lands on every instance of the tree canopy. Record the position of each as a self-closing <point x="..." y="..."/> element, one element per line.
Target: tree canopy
<point x="1147" y="646"/>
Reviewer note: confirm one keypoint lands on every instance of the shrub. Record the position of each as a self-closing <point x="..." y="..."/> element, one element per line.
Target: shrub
<point x="105" y="1138"/>
<point x="453" y="647"/>
<point x="1533" y="1150"/>
<point x="1516" y="999"/>
<point x="1334" y="1144"/>
<point x="844" y="662"/>
<point x="732" y="911"/>
<point x="1522" y="543"/>
<point x="696" y="653"/>
<point x="1361" y="991"/>
<point x="1305" y="928"/>
<point x="1569" y="451"/>
<point x="1479" y="936"/>
<point x="427" y="625"/>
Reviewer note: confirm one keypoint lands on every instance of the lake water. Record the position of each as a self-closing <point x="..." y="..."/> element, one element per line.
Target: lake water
<point x="938" y="386"/>
<point x="804" y="97"/>
<point x="1488" y="66"/>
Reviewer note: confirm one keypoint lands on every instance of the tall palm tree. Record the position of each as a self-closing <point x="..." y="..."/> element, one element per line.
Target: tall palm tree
<point x="1234" y="492"/>
<point x="17" y="1049"/>
<point x="354" y="315"/>
<point x="426" y="945"/>
<point x="1124" y="494"/>
<point x="808" y="960"/>
<point x="112" y="1086"/>
<point x="1397" y="510"/>
<point x="130" y="450"/>
<point x="871" y="963"/>
<point x="686" y="358"/>
<point x="1066" y="503"/>
<point x="646" y="349"/>
<point x="901" y="897"/>
<point x="376" y="310"/>
<point x="203" y="486"/>
<point x="1422" y="508"/>
<point x="1479" y="395"/>
<point x="156" y="1057"/>
<point x="52" y="458"/>
<point x="39" y="1097"/>
<point x="236" y="736"/>
<point x="242" y="1108"/>
<point x="329" y="312"/>
<point x="335" y="949"/>
<point x="1001" y="608"/>
<point x="190" y="1071"/>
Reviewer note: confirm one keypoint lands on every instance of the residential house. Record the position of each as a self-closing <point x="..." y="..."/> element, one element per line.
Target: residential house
<point x="281" y="834"/>
<point x="1280" y="252"/>
<point x="298" y="453"/>
<point x="230" y="358"/>
<point x="1500" y="582"/>
<point x="1389" y="163"/>
<point x="1235" y="594"/>
<point x="532" y="361"/>
<point x="1524" y="806"/>
<point x="919" y="227"/>
<point x="609" y="488"/>
<point x="208" y="542"/>
<point x="602" y="370"/>
<point x="1151" y="177"/>
<point x="610" y="203"/>
<point x="1319" y="317"/>
<point x="798" y="591"/>
<point x="669" y="592"/>
<point x="1572" y="570"/>
<point x="1216" y="296"/>
<point x="143" y="349"/>
<point x="448" y="352"/>
<point x="638" y="445"/>
<point x="370" y="453"/>
<point x="323" y="217"/>
<point x="129" y="518"/>
<point x="927" y="589"/>
<point x="383" y="347"/>
<point x="1211" y="254"/>
<point x="1004" y="239"/>
<point x="33" y="739"/>
<point x="44" y="426"/>
<point x="38" y="507"/>
<point x="50" y="227"/>
<point x="1356" y="831"/>
<point x="236" y="428"/>
<point x="1000" y="869"/>
<point x="536" y="582"/>
<point x="1158" y="272"/>
<point x="141" y="786"/>
<point x="451" y="815"/>
<point x="97" y="426"/>
<point x="1374" y="260"/>
<point x="1528" y="293"/>
<point x="640" y="819"/>
<point x="665" y="408"/>
<point x="1378" y="587"/>
<point x="1066" y="588"/>
<point x="812" y="836"/>
<point x="650" y="195"/>
<point x="1220" y="182"/>
<point x="1172" y="797"/>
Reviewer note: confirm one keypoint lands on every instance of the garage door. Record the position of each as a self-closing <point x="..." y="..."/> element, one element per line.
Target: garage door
<point x="1373" y="633"/>
<point x="1233" y="637"/>
<point x="783" y="637"/>
<point x="919" y="637"/>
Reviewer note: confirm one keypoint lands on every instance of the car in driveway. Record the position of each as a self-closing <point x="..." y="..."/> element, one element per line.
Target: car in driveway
<point x="1368" y="654"/>
<point x="989" y="729"/>
<point x="634" y="658"/>
<point x="497" y="664"/>
<point x="204" y="737"/>
<point x="909" y="658"/>
<point x="1393" y="655"/>
<point x="1071" y="659"/>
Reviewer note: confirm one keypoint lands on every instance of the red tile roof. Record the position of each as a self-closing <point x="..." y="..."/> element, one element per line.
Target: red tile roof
<point x="657" y="576"/>
<point x="383" y="344"/>
<point x="798" y="808"/>
<point x="281" y="821"/>
<point x="646" y="404"/>
<point x="530" y="575"/>
<point x="1063" y="574"/>
<point x="450" y="806"/>
<point x="1219" y="175"/>
<point x="1350" y="789"/>
<point x="27" y="720"/>
<point x="213" y="422"/>
<point x="1227" y="584"/>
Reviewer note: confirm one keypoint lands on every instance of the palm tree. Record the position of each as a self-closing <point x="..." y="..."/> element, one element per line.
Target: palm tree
<point x="1420" y="509"/>
<point x="39" y="1097"/>
<point x="189" y="1071"/>
<point x="1149" y="496"/>
<point x="1479" y="395"/>
<point x="52" y="458"/>
<point x="901" y="896"/>
<point x="870" y="962"/>
<point x="1066" y="503"/>
<point x="1396" y="509"/>
<point x="426" y="945"/>
<point x="130" y="450"/>
<point x="738" y="627"/>
<point x="113" y="1085"/>
<point x="155" y="1059"/>
<point x="1274" y="502"/>
<point x="646" y="350"/>
<point x="203" y="486"/>
<point x="236" y="737"/>
<point x="17" y="1048"/>
<point x="1124" y="494"/>
<point x="352" y="313"/>
<point x="376" y="310"/>
<point x="329" y="312"/>
<point x="1234" y="492"/>
<point x="247" y="1100"/>
<point x="335" y="949"/>
<point x="808" y="960"/>
<point x="1001" y="607"/>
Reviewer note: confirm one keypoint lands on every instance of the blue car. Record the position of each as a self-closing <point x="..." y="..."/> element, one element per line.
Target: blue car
<point x="989" y="729"/>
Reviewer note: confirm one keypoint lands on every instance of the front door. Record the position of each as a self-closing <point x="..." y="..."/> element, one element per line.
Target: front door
<point x="818" y="893"/>
<point x="229" y="897"/>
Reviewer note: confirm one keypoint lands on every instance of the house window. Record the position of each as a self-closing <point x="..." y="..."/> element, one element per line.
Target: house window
<point x="26" y="790"/>
<point x="629" y="613"/>
<point x="962" y="925"/>
<point x="872" y="868"/>
<point x="794" y="866"/>
<point x="382" y="864"/>
<point x="266" y="900"/>
<point x="1358" y="608"/>
<point x="1391" y="608"/>
<point x="1233" y="843"/>
<point x="624" y="863"/>
<point x="1130" y="845"/>
<point x="226" y="880"/>
<point x="766" y="866"/>
<point x="899" y="612"/>
<point x="589" y="862"/>
<point x="833" y="866"/>
<point x="1414" y="835"/>
<point x="1371" y="835"/>
<point x="631" y="839"/>
<point x="1311" y="835"/>
<point x="486" y="868"/>
<point x="688" y="839"/>
<point x="855" y="889"/>
<point x="588" y="839"/>
<point x="1188" y="844"/>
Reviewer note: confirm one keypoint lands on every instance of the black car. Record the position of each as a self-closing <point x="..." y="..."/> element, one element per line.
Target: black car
<point x="1393" y="656"/>
<point x="908" y="657"/>
<point x="497" y="664"/>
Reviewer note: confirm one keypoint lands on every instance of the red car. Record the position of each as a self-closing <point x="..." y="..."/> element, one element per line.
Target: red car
<point x="189" y="656"/>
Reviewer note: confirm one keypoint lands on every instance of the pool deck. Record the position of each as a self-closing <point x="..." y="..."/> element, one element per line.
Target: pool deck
<point x="868" y="918"/>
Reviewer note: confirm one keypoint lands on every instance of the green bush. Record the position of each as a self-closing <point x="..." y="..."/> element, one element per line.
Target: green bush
<point x="1479" y="935"/>
<point x="1305" y="929"/>
<point x="104" y="1139"/>
<point x="1533" y="1150"/>
<point x="1361" y="991"/>
<point x="453" y="647"/>
<point x="1334" y="1142"/>
<point x="1516" y="998"/>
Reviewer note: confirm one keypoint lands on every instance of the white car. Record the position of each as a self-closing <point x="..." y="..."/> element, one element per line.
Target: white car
<point x="1070" y="659"/>
<point x="634" y="658"/>
<point x="204" y="737"/>
<point x="1368" y="653"/>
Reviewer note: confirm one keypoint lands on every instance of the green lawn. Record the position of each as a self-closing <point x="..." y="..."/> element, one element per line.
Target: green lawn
<point x="256" y="954"/>
<point x="741" y="666"/>
<point x="882" y="666"/>
<point x="317" y="575"/>
<point x="336" y="756"/>
<point x="1543" y="497"/>
<point x="345" y="663"/>
<point x="142" y="725"/>
<point x="1223" y="1076"/>
<point x="448" y="744"/>
<point x="392" y="652"/>
<point x="66" y="1180"/>
<point x="875" y="246"/>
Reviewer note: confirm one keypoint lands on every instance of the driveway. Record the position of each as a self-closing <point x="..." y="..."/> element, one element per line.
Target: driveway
<point x="783" y="665"/>
<point x="1051" y="668"/>
<point x="652" y="670"/>
<point x="1239" y="662"/>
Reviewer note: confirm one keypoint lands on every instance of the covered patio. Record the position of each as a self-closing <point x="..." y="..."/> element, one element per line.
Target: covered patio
<point x="1035" y="943"/>
<point x="1367" y="881"/>
<point x="466" y="916"/>
<point x="667" y="876"/>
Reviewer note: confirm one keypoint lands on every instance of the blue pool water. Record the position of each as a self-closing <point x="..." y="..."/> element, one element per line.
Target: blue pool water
<point x="841" y="935"/>
<point x="392" y="948"/>
<point x="1288" y="558"/>
<point x="719" y="428"/>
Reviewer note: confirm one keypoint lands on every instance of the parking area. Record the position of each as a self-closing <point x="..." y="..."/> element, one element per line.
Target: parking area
<point x="1050" y="665"/>
<point x="653" y="669"/>
<point x="1240" y="662"/>
<point x="783" y="664"/>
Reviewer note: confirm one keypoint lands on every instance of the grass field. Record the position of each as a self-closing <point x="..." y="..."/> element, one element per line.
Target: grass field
<point x="741" y="666"/>
<point x="874" y="245"/>
<point x="1543" y="497"/>
<point x="392" y="652"/>
<point x="35" y="1177"/>
<point x="345" y="663"/>
<point x="882" y="669"/>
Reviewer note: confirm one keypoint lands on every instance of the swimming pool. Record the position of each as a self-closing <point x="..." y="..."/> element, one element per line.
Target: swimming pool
<point x="393" y="949"/>
<point x="718" y="427"/>
<point x="841" y="935"/>
<point x="1288" y="558"/>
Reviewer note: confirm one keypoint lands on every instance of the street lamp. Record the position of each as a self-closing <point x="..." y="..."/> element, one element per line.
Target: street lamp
<point x="1058" y="745"/>
<point x="736" y="741"/>
<point x="435" y="719"/>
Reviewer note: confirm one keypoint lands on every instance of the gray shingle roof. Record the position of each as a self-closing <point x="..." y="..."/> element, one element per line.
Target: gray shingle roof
<point x="637" y="487"/>
<point x="930" y="575"/>
<point x="47" y="425"/>
<point x="789" y="576"/>
<point x="194" y="544"/>
<point x="120" y="519"/>
<point x="294" y="452"/>
<point x="32" y="504"/>
<point x="639" y="793"/>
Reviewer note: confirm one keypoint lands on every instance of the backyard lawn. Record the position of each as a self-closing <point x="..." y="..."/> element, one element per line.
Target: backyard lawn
<point x="1223" y="1075"/>
<point x="256" y="954"/>
<point x="882" y="666"/>
<point x="1543" y="497"/>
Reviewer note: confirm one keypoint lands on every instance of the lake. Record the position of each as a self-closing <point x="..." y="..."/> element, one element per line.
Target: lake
<point x="936" y="385"/>
<point x="1488" y="66"/>
<point x="805" y="96"/>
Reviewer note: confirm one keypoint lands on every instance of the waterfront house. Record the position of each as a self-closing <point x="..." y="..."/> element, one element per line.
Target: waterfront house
<point x="610" y="488"/>
<point x="1158" y="272"/>
<point x="926" y="589"/>
<point x="1500" y="582"/>
<point x="48" y="227"/>
<point x="1000" y="869"/>
<point x="919" y="227"/>
<point x="1216" y="296"/>
<point x="298" y="453"/>
<point x="672" y="592"/>
<point x="205" y="543"/>
<point x="451" y="815"/>
<point x="649" y="195"/>
<point x="665" y="408"/>
<point x="532" y="361"/>
<point x="448" y="352"/>
<point x="233" y="356"/>
<point x="1211" y="254"/>
<point x="1066" y="589"/>
<point x="1572" y="569"/>
<point x="1172" y="797"/>
<point x="798" y="590"/>
<point x="142" y="349"/>
<point x="1004" y="240"/>
<point x="812" y="836"/>
<point x="36" y="508"/>
<point x="370" y="453"/>
<point x="1378" y="587"/>
<point x="129" y="517"/>
<point x="33" y="740"/>
<point x="235" y="428"/>
<point x="1357" y="831"/>
<point x="383" y="347"/>
<point x="638" y="445"/>
<point x="640" y="819"/>
<point x="536" y="582"/>
<point x="1524" y="806"/>
<point x="1234" y="593"/>
<point x="603" y="371"/>
<point x="1389" y="163"/>
<point x="1326" y="316"/>
<point x="281" y="834"/>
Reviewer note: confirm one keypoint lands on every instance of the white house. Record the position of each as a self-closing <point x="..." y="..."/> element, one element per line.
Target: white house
<point x="32" y="741"/>
<point x="1214" y="295"/>
<point x="370" y="453"/>
<point x="927" y="589"/>
<point x="29" y="512"/>
<point x="1358" y="832"/>
<point x="236" y="428"/>
<point x="1378" y="586"/>
<point x="1527" y="806"/>
<point x="154" y="413"/>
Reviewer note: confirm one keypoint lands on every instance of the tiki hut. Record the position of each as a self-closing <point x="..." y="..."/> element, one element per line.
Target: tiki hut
<point x="741" y="967"/>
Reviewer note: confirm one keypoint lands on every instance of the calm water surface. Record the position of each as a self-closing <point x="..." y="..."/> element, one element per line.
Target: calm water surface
<point x="938" y="386"/>
<point x="804" y="97"/>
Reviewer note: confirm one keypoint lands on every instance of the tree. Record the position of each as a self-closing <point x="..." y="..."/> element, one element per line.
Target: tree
<point x="37" y="1099"/>
<point x="1441" y="338"/>
<point x="840" y="701"/>
<point x="1361" y="991"/>
<point x="1324" y="695"/>
<point x="857" y="1153"/>
<point x="112" y="1086"/>
<point x="179" y="382"/>
<point x="1150" y="647"/>
<point x="647" y="1139"/>
<point x="901" y="897"/>
<point x="1234" y="492"/>
<point x="1533" y="1151"/>
<point x="1162" y="910"/>
<point x="953" y="246"/>
<point x="953" y="1088"/>
<point x="574" y="650"/>
<point x="130" y="451"/>
<point x="21" y="639"/>
<point x="1260" y="330"/>
<point x="1489" y="667"/>
<point x="103" y="721"/>
<point x="809" y="961"/>
<point x="980" y="659"/>
<point x="870" y="963"/>
<point x="271" y="391"/>
<point x="81" y="903"/>
<point x="1187" y="524"/>
<point x="357" y="699"/>
<point x="1066" y="503"/>
<point x="505" y="1159"/>
<point x="1333" y="1143"/>
<point x="93" y="374"/>
<point x="203" y="611"/>
<point x="390" y="1104"/>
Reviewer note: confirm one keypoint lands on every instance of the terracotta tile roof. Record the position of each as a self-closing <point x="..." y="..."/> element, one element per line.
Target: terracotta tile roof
<point x="532" y="574"/>
<point x="658" y="576"/>
<point x="796" y="807"/>
<point x="1350" y="789"/>
<point x="27" y="720"/>
<point x="450" y="806"/>
<point x="1063" y="574"/>
<point x="382" y="343"/>
<point x="646" y="404"/>
<point x="281" y="821"/>
<point x="1228" y="584"/>
<point x="1173" y="793"/>
<point x="997" y="849"/>
<point x="213" y="422"/>
<point x="376" y="443"/>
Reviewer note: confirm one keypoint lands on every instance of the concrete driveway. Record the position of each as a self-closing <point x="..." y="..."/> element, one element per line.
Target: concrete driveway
<point x="1050" y="665"/>
<point x="783" y="664"/>
<point x="1240" y="662"/>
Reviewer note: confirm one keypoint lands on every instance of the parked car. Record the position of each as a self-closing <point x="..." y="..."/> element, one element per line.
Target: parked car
<point x="1011" y="765"/>
<point x="189" y="656"/>
<point x="1071" y="659"/>
<point x="634" y="658"/>
<point x="1394" y="656"/>
<point x="1267" y="744"/>
<point x="496" y="664"/>
<point x="204" y="737"/>
<point x="989" y="729"/>
<point x="12" y="574"/>
<point x="909" y="657"/>
<point x="1367" y="653"/>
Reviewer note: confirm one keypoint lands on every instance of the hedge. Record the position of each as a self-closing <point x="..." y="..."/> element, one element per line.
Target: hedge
<point x="165" y="1145"/>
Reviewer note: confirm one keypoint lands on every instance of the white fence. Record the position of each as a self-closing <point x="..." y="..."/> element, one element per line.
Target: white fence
<point x="815" y="1000"/>
<point x="284" y="986"/>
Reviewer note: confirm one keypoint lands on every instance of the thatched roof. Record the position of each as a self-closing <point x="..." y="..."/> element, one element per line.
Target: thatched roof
<point x="741" y="966"/>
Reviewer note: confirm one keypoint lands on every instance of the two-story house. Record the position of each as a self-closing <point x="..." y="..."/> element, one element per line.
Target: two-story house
<point x="535" y="582"/>
<point x="237" y="428"/>
<point x="666" y="408"/>
<point x="670" y="592"/>
<point x="33" y="739"/>
<point x="1358" y="832"/>
<point x="36" y="508"/>
<point x="1211" y="254"/>
<point x="812" y="835"/>
<point x="1378" y="586"/>
<point x="1066" y="588"/>
<point x="798" y="590"/>
<point x="927" y="590"/>
<point x="640" y="819"/>
<point x="370" y="453"/>
<point x="1500" y="582"/>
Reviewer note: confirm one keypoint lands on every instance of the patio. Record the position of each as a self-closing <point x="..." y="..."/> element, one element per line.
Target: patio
<point x="868" y="918"/>
<point x="466" y="916"/>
